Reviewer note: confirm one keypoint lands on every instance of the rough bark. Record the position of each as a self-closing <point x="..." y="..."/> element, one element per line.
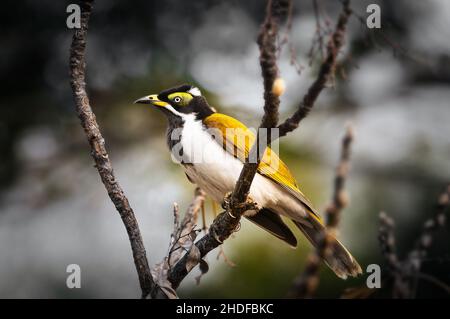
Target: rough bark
<point x="99" y="152"/>
<point x="305" y="285"/>
<point x="237" y="202"/>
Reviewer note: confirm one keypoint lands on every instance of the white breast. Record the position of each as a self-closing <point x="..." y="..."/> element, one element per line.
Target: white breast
<point x="216" y="171"/>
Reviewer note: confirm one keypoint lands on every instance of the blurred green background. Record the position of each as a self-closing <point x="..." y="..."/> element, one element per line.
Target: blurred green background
<point x="54" y="210"/>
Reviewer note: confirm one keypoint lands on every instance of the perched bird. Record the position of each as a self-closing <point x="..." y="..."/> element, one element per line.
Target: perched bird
<point x="210" y="162"/>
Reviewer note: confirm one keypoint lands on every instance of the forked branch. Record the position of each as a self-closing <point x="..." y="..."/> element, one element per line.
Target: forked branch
<point x="325" y="72"/>
<point x="237" y="203"/>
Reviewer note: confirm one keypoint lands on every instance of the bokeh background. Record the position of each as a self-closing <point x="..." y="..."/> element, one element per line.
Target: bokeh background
<point x="392" y="84"/>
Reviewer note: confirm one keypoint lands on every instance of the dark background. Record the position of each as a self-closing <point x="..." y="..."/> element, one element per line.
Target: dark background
<point x="392" y="84"/>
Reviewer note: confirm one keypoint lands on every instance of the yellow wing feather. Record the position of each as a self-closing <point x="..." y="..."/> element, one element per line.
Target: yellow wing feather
<point x="237" y="140"/>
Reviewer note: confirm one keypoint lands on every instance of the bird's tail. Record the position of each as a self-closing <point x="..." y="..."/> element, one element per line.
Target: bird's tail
<point x="339" y="259"/>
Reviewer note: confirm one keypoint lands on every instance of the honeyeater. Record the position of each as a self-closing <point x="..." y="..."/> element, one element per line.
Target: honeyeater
<point x="200" y="139"/>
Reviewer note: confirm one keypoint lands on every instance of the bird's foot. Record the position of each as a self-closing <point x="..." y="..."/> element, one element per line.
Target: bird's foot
<point x="214" y="234"/>
<point x="249" y="204"/>
<point x="226" y="201"/>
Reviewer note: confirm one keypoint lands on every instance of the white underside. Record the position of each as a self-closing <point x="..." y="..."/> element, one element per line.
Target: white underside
<point x="216" y="172"/>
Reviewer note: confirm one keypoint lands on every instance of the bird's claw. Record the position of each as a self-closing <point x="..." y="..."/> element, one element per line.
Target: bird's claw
<point x="214" y="234"/>
<point x="226" y="201"/>
<point x="230" y="214"/>
<point x="249" y="204"/>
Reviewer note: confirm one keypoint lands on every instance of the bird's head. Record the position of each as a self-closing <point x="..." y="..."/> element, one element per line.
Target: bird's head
<point x="179" y="101"/>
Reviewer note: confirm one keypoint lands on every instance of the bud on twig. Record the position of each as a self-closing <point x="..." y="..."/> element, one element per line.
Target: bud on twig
<point x="278" y="87"/>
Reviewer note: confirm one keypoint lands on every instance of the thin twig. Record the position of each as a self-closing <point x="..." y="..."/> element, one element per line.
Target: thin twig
<point x="237" y="203"/>
<point x="376" y="34"/>
<point x="434" y="281"/>
<point x="227" y="260"/>
<point x="181" y="242"/>
<point x="340" y="197"/>
<point x="222" y="227"/>
<point x="326" y="71"/>
<point x="386" y="239"/>
<point x="406" y="273"/>
<point x="431" y="225"/>
<point x="99" y="153"/>
<point x="307" y="282"/>
<point x="287" y="40"/>
<point x="188" y="223"/>
<point x="406" y="281"/>
<point x="318" y="39"/>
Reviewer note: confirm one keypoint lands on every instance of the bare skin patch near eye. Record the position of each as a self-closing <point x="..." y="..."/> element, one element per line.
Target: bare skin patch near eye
<point x="180" y="98"/>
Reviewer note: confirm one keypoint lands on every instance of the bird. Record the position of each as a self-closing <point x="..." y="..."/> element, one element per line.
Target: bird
<point x="200" y="141"/>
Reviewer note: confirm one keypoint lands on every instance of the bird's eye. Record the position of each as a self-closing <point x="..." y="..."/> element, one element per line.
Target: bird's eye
<point x="177" y="99"/>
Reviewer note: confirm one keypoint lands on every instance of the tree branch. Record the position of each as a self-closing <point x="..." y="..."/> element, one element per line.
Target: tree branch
<point x="326" y="70"/>
<point x="405" y="274"/>
<point x="306" y="283"/>
<point x="182" y="242"/>
<point x="99" y="153"/>
<point x="386" y="238"/>
<point x="408" y="271"/>
<point x="268" y="61"/>
<point x="431" y="225"/>
<point x="237" y="202"/>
